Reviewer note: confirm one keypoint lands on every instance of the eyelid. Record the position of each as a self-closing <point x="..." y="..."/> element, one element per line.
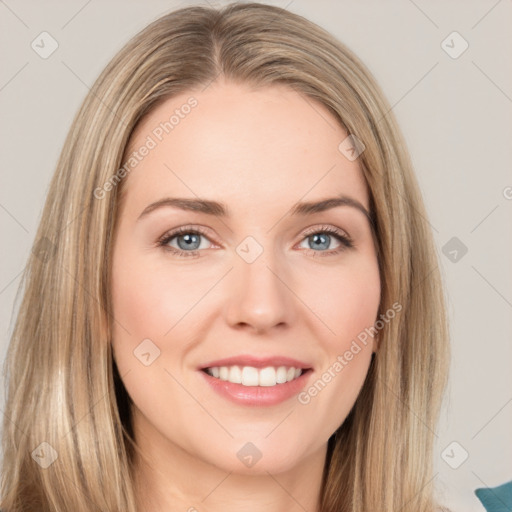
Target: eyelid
<point x="315" y="228"/>
<point x="342" y="235"/>
<point x="171" y="233"/>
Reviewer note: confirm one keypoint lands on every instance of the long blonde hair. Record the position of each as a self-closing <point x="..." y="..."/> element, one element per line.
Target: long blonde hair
<point x="62" y="384"/>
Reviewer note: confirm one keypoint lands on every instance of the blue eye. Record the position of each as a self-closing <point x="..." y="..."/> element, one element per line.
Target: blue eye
<point x="321" y="239"/>
<point x="188" y="241"/>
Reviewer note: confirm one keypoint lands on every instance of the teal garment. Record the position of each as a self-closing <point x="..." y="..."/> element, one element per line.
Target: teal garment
<point x="496" y="499"/>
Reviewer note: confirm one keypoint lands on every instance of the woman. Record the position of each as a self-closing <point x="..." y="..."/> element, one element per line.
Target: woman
<point x="233" y="300"/>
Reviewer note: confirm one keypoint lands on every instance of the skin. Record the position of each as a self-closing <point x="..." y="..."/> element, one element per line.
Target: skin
<point x="259" y="151"/>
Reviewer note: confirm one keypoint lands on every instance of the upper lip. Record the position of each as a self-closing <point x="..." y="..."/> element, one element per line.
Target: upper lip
<point x="257" y="362"/>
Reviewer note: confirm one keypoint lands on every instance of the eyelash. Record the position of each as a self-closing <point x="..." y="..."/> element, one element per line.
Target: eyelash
<point x="346" y="242"/>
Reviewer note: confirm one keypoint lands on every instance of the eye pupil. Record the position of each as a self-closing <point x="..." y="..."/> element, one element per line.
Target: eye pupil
<point x="318" y="240"/>
<point x="190" y="239"/>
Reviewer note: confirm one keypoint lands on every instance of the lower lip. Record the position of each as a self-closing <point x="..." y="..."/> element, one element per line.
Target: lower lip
<point x="257" y="395"/>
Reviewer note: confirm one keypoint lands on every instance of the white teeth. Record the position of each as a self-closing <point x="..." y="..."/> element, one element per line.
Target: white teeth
<point x="268" y="376"/>
<point x="250" y="376"/>
<point x="235" y="375"/>
<point x="281" y="375"/>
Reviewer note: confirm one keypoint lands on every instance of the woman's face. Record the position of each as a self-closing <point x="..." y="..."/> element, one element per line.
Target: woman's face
<point x="251" y="286"/>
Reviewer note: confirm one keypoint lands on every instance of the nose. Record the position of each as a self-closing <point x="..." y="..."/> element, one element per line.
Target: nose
<point x="260" y="298"/>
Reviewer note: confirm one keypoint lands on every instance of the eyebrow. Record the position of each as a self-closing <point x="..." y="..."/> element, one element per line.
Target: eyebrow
<point x="218" y="209"/>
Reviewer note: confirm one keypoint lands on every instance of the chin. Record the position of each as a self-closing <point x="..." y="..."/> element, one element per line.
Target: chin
<point x="256" y="458"/>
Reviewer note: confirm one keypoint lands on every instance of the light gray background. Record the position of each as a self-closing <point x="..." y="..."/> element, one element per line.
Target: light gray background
<point x="455" y="114"/>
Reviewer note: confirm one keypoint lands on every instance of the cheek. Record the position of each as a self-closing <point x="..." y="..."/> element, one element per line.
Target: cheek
<point x="139" y="305"/>
<point x="346" y="299"/>
<point x="148" y="301"/>
<point x="348" y="306"/>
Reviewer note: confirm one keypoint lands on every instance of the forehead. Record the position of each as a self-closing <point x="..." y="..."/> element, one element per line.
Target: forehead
<point x="242" y="145"/>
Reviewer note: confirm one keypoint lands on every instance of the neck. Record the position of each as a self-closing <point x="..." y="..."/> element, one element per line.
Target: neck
<point x="170" y="479"/>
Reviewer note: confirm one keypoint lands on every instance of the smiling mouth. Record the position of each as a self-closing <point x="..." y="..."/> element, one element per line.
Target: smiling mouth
<point x="251" y="376"/>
